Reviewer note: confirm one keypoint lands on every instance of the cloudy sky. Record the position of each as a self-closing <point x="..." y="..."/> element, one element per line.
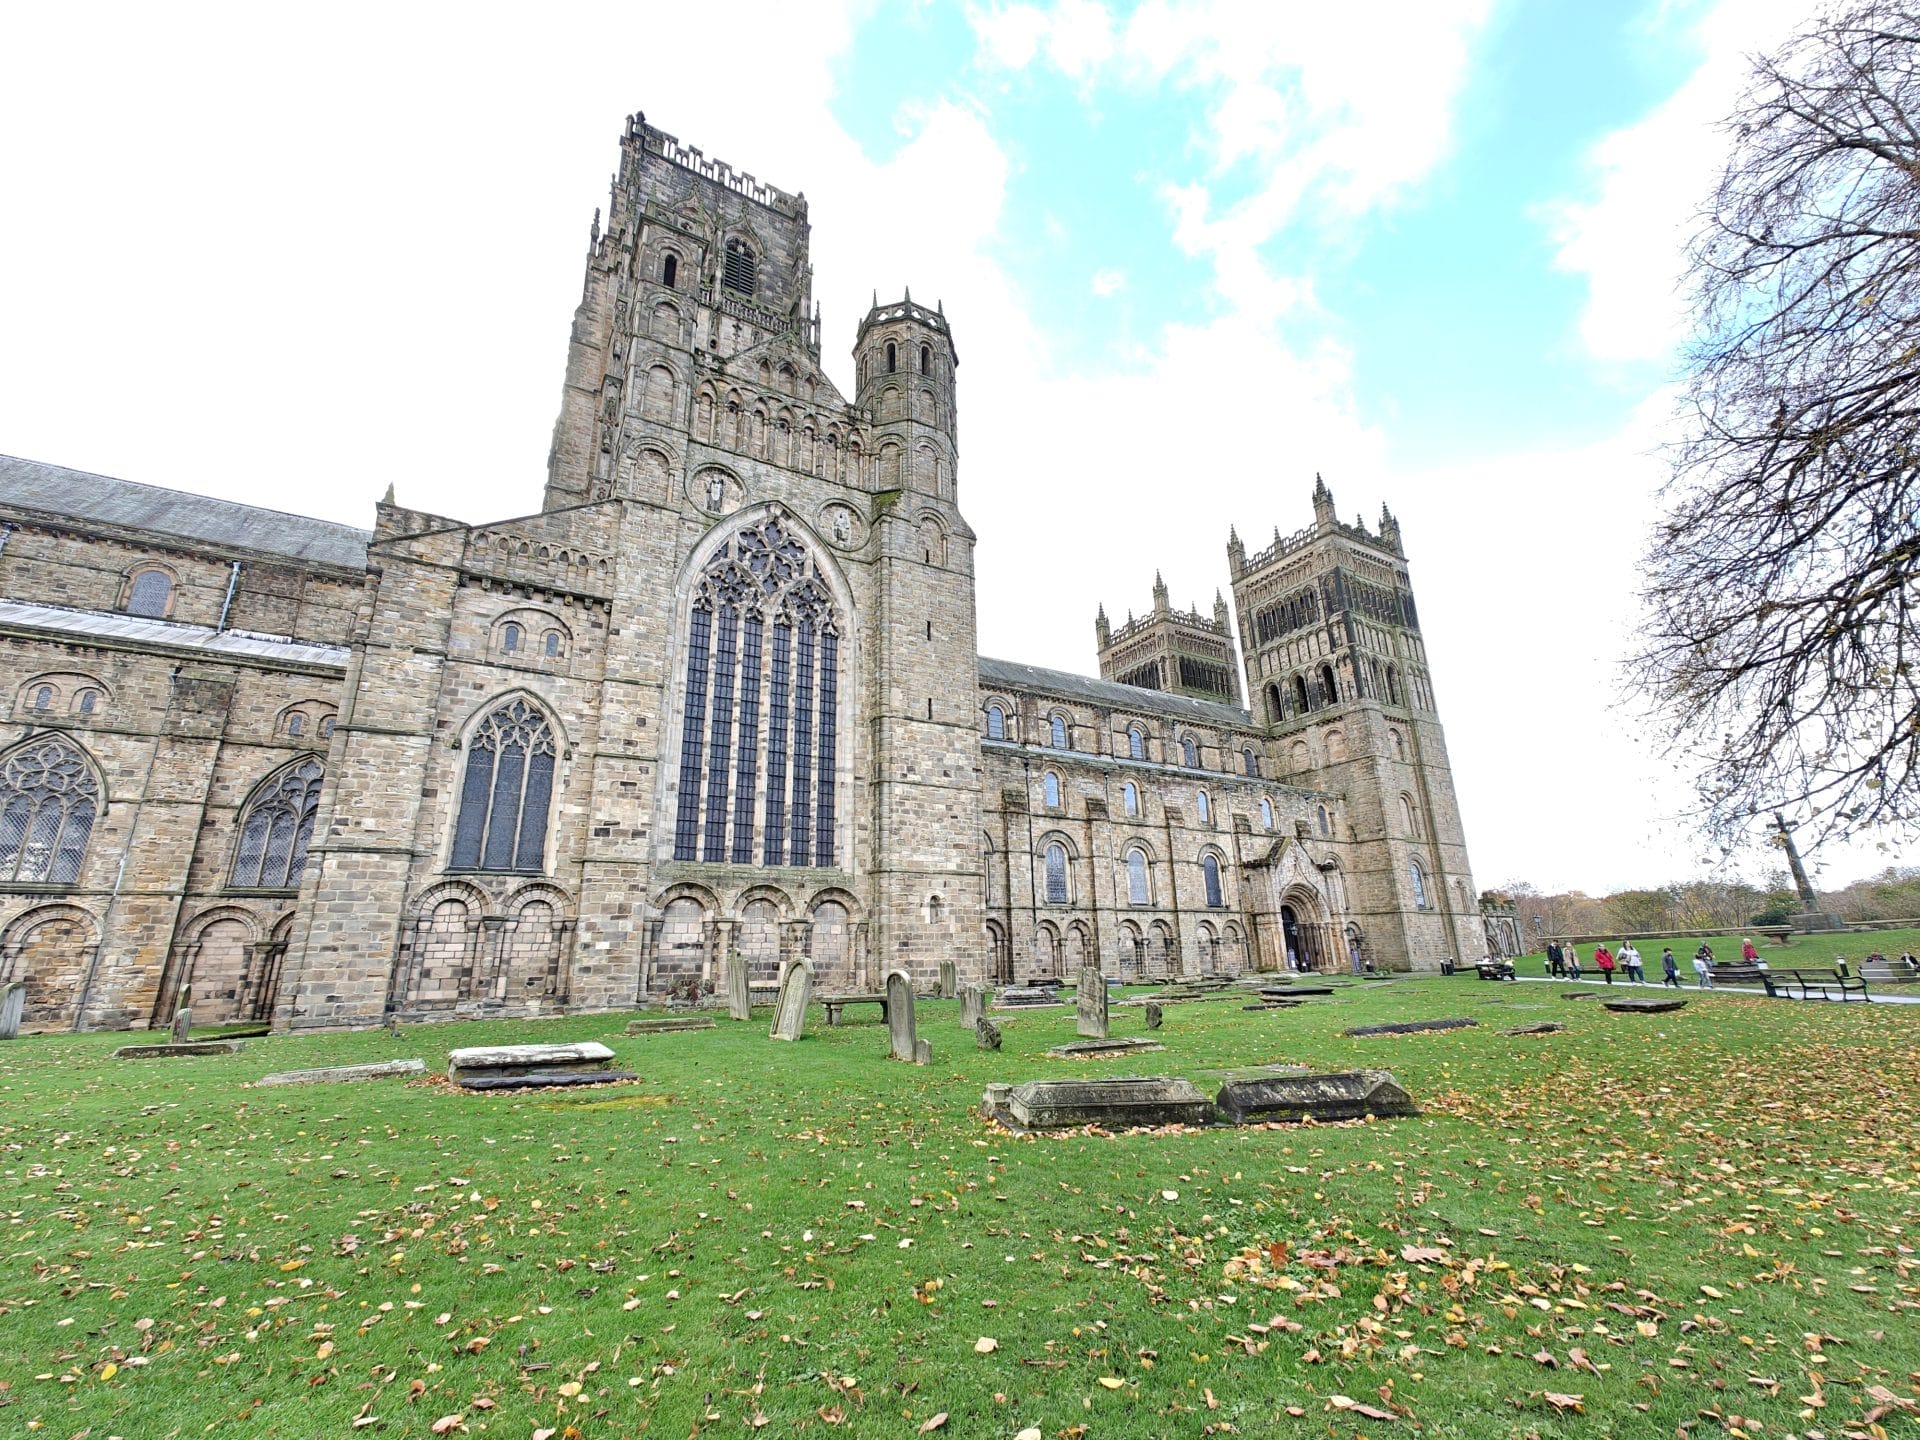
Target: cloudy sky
<point x="1194" y="251"/>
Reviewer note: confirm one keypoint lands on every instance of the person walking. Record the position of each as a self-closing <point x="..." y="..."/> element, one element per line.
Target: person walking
<point x="1603" y="958"/>
<point x="1629" y="959"/>
<point x="1669" y="968"/>
<point x="1703" y="965"/>
<point x="1554" y="963"/>
<point x="1572" y="956"/>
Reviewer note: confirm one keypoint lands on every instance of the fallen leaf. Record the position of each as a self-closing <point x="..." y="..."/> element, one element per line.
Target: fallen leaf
<point x="1575" y="1403"/>
<point x="932" y="1423"/>
<point x="447" y="1424"/>
<point x="985" y="1345"/>
<point x="1111" y="1382"/>
<point x="1421" y="1254"/>
<point x="1032" y="1432"/>
<point x="1711" y="1293"/>
<point x="546" y="1433"/>
<point x="1347" y="1402"/>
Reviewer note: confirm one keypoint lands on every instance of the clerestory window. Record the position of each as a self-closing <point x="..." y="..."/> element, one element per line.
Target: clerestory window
<point x="276" y="828"/>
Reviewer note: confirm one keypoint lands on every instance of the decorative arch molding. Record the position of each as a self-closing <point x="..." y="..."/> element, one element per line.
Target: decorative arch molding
<point x="474" y="897"/>
<point x="779" y="899"/>
<point x="543" y="892"/>
<point x="835" y="895"/>
<point x="52" y="947"/>
<point x="692" y="890"/>
<point x="483" y="709"/>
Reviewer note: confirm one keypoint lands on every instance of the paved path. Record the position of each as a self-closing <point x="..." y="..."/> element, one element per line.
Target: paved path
<point x="1590" y="978"/>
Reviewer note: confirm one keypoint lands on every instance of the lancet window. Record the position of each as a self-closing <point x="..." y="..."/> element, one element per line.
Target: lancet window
<point x="48" y="798"/>
<point x="276" y="829"/>
<point x="507" y="793"/>
<point x="763" y="624"/>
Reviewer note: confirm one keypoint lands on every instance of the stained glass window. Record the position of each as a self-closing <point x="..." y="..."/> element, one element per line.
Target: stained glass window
<point x="506" y="793"/>
<point x="1136" y="744"/>
<point x="1210" y="875"/>
<point x="1050" y="788"/>
<point x="1419" y="878"/>
<point x="1190" y="754"/>
<point x="996" y="723"/>
<point x="1204" y="806"/>
<point x="1266" y="813"/>
<point x="1056" y="874"/>
<point x="150" y="594"/>
<point x="1057" y="732"/>
<point x="1137" y="878"/>
<point x="276" y="827"/>
<point x="1130" y="798"/>
<point x="48" y="798"/>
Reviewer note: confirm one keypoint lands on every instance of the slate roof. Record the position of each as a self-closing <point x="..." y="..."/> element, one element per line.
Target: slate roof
<point x="140" y="631"/>
<point x="55" y="491"/>
<point x="1011" y="675"/>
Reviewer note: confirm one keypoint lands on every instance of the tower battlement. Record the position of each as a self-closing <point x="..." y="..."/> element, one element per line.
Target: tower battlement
<point x="689" y="157"/>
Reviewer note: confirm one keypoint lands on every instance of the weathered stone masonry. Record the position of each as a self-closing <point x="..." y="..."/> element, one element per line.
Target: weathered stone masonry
<point x="717" y="702"/>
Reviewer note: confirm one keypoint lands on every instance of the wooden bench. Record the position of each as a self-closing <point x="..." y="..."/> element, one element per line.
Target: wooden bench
<point x="1888" y="972"/>
<point x="1815" y="985"/>
<point x="834" y="1004"/>
<point x="1738" y="972"/>
<point x="1495" y="970"/>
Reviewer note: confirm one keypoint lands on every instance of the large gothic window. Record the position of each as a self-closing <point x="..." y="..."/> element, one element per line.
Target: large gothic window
<point x="48" y="798"/>
<point x="763" y="623"/>
<point x="276" y="828"/>
<point x="507" y="792"/>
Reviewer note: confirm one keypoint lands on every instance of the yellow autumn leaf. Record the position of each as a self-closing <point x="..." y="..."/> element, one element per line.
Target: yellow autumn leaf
<point x="1111" y="1382"/>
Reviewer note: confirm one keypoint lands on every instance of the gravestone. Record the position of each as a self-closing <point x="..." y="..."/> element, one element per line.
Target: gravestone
<point x="993" y="1100"/>
<point x="739" y="988"/>
<point x="1550" y="1027"/>
<point x="1644" y="1005"/>
<point x="923" y="1052"/>
<point x="1304" y="1095"/>
<point x="1137" y="1100"/>
<point x="668" y="1024"/>
<point x="949" y="980"/>
<point x="986" y="1034"/>
<point x="790" y="1009"/>
<point x="13" y="1004"/>
<point x="167" y="1052"/>
<point x="340" y="1074"/>
<point x="900" y="1018"/>
<point x="1027" y="997"/>
<point x="1153" y="1016"/>
<point x="973" y="1004"/>
<point x="499" y="1067"/>
<point x="183" y="1016"/>
<point x="1090" y="1005"/>
<point x="1094" y="1049"/>
<point x="1413" y="1027"/>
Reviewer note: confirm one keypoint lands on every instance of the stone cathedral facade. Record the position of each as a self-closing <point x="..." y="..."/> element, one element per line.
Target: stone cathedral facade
<point x="717" y="701"/>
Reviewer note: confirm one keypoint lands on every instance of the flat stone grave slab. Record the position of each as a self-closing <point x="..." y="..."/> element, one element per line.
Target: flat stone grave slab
<point x="1290" y="992"/>
<point x="1275" y="1005"/>
<point x="1290" y="1094"/>
<point x="668" y="1024"/>
<point x="487" y="1062"/>
<point x="1545" y="1027"/>
<point x="1579" y="994"/>
<point x="340" y="1074"/>
<point x="544" y="1079"/>
<point x="1635" y="1005"/>
<point x="1412" y="1027"/>
<point x="1028" y="997"/>
<point x="1094" y="1049"/>
<point x="1119" y="1103"/>
<point x="190" y="1047"/>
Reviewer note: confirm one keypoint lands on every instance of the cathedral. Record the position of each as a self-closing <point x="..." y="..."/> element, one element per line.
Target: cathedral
<point x="717" y="701"/>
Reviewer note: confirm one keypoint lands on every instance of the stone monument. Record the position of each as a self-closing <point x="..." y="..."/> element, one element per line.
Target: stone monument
<point x="1090" y="1004"/>
<point x="1291" y="1094"/>
<point x="949" y="979"/>
<point x="790" y="1010"/>
<point x="900" y="1019"/>
<point x="739" y="988"/>
<point x="973" y="1004"/>
<point x="183" y="1015"/>
<point x="986" y="1034"/>
<point x="13" y="1003"/>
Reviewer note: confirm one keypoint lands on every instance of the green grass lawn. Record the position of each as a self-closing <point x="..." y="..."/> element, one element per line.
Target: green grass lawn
<point x="1703" y="1219"/>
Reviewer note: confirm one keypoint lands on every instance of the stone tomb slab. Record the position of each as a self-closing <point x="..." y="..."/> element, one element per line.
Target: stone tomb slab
<point x="1142" y="1100"/>
<point x="1095" y="1049"/>
<point x="1295" y="1095"/>
<point x="167" y="1052"/>
<point x="1029" y="997"/>
<point x="1635" y="1005"/>
<point x="1413" y="1027"/>
<point x="477" y="1067"/>
<point x="341" y="1074"/>
<point x="545" y="1079"/>
<point x="668" y="1024"/>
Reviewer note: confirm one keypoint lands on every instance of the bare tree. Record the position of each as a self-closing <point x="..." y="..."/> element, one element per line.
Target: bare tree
<point x="1779" y="650"/>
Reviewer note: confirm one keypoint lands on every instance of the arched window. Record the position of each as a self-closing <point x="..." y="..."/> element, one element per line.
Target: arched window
<point x="1266" y="813"/>
<point x="296" y="723"/>
<point x="510" y="635"/>
<point x="670" y="269"/>
<point x="1130" y="798"/>
<point x="43" y="699"/>
<point x="48" y="798"/>
<point x="1249" y="762"/>
<point x="926" y="359"/>
<point x="1393" y="686"/>
<point x="151" y="593"/>
<point x="507" y="792"/>
<point x="1050" y="788"/>
<point x="1210" y="876"/>
<point x="276" y="827"/>
<point x="763" y="624"/>
<point x="1300" y="702"/>
<point x="1057" y="731"/>
<point x="1326" y="826"/>
<point x="1399" y="745"/>
<point x="1056" y="874"/>
<point x="552" y="643"/>
<point x="1137" y="892"/>
<point x="1419" y="878"/>
<point x="85" y="701"/>
<point x="1203" y="807"/>
<point x="1329" y="690"/>
<point x="1189" y="754"/>
<point x="891" y="358"/>
<point x="1409" y="817"/>
<point x="1274" y="710"/>
<point x="326" y="726"/>
<point x="739" y="271"/>
<point x="1136" y="744"/>
<point x="996" y="723"/>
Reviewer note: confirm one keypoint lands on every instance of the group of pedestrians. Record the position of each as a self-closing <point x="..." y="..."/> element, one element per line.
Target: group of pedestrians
<point x="1563" y="961"/>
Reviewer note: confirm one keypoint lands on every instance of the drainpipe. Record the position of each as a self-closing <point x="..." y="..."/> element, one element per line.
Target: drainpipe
<point x="226" y="606"/>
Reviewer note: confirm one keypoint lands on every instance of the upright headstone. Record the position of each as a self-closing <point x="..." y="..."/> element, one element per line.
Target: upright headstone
<point x="986" y="1034"/>
<point x="1153" y="1016"/>
<point x="183" y="1016"/>
<point x="1090" y="1016"/>
<point x="790" y="1010"/>
<point x="923" y="1052"/>
<point x="13" y="1002"/>
<point x="739" y="993"/>
<point x="900" y="1021"/>
<point x="973" y="1004"/>
<point x="949" y="980"/>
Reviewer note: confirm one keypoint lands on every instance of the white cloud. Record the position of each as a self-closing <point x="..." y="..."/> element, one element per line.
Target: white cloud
<point x="1107" y="283"/>
<point x="1076" y="36"/>
<point x="1649" y="180"/>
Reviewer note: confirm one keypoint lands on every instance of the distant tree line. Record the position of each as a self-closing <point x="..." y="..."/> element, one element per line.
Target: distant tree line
<point x="1894" y="894"/>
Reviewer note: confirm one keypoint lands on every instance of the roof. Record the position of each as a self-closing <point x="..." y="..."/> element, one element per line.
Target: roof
<point x="55" y="491"/>
<point x="144" y="632"/>
<point x="1012" y="675"/>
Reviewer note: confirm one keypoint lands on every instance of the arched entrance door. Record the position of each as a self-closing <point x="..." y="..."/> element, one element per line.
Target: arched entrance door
<point x="1290" y="933"/>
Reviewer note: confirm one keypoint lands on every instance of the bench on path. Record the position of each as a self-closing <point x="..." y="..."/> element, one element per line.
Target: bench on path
<point x="1815" y="985"/>
<point x="1888" y="972"/>
<point x="834" y="1004"/>
<point x="1735" y="972"/>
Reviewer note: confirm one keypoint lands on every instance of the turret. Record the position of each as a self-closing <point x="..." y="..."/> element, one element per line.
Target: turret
<point x="1102" y="631"/>
<point x="1323" y="516"/>
<point x="1161" y="605"/>
<point x="904" y="363"/>
<point x="1390" y="531"/>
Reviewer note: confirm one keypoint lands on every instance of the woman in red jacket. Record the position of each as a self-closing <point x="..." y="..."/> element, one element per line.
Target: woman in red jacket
<point x="1603" y="957"/>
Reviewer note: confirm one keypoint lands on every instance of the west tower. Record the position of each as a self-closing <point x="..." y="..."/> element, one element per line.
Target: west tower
<point x="1179" y="651"/>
